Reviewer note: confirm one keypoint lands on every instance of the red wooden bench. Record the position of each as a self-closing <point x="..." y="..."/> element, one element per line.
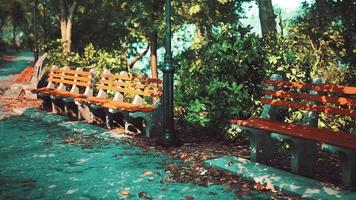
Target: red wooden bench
<point x="25" y="76"/>
<point x="134" y="97"/>
<point x="64" y="85"/>
<point x="313" y="99"/>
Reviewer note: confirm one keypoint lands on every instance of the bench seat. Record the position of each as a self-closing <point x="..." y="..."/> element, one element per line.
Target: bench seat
<point x="57" y="93"/>
<point x="323" y="136"/>
<point x="116" y="105"/>
<point x="92" y="100"/>
<point x="129" y="107"/>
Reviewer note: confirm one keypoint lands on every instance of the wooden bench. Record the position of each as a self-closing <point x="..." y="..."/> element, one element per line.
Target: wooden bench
<point x="312" y="99"/>
<point x="63" y="86"/>
<point x="133" y="97"/>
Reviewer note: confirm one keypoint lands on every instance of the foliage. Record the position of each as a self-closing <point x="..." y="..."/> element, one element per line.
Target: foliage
<point x="300" y="59"/>
<point x="90" y="59"/>
<point x="218" y="79"/>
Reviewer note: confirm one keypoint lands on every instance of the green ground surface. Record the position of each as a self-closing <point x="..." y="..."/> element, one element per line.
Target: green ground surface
<point x="47" y="160"/>
<point x="22" y="60"/>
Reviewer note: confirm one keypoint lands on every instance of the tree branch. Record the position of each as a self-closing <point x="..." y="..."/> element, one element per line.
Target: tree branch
<point x="137" y="58"/>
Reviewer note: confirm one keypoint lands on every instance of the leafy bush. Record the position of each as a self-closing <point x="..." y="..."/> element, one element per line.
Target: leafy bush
<point x="90" y="59"/>
<point x="219" y="79"/>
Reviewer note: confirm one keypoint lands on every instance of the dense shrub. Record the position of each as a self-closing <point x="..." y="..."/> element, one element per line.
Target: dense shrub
<point x="220" y="78"/>
<point x="90" y="59"/>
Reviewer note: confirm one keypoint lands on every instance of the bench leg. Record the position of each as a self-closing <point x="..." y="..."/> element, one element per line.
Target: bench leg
<point x="303" y="157"/>
<point x="108" y="119"/>
<point x="46" y="102"/>
<point x="261" y="146"/>
<point x="134" y="120"/>
<point x="66" y="110"/>
<point x="79" y="116"/>
<point x="348" y="167"/>
<point x="57" y="106"/>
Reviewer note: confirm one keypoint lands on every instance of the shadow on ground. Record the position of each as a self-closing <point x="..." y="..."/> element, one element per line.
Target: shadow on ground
<point x="42" y="160"/>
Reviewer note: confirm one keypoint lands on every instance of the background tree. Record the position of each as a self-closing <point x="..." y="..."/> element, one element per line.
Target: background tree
<point x="267" y="17"/>
<point x="67" y="10"/>
<point x="17" y="17"/>
<point x="3" y="15"/>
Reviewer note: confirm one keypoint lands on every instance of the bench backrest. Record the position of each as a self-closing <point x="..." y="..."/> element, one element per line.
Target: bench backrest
<point x="73" y="80"/>
<point x="38" y="68"/>
<point x="124" y="85"/>
<point x="328" y="99"/>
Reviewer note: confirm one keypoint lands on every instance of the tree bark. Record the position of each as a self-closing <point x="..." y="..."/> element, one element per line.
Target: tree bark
<point x="66" y="18"/>
<point x="267" y="17"/>
<point x="153" y="40"/>
<point x="45" y="23"/>
<point x="154" y="71"/>
<point x="14" y="35"/>
<point x="321" y="8"/>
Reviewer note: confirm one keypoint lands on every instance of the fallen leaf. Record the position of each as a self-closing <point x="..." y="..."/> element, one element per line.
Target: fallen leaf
<point x="124" y="192"/>
<point x="148" y="173"/>
<point x="142" y="194"/>
<point x="189" y="197"/>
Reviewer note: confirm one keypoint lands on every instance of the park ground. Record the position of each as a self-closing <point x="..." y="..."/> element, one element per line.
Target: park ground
<point x="44" y="157"/>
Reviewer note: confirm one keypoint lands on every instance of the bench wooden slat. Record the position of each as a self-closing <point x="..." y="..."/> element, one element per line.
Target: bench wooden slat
<point x="321" y="87"/>
<point x="128" y="84"/>
<point x="310" y="107"/>
<point x="84" y="84"/>
<point x="66" y="71"/>
<point x="92" y="100"/>
<point x="80" y="78"/>
<point x="64" y="94"/>
<point x="129" y="78"/>
<point x="129" y="91"/>
<point x="41" y="90"/>
<point x="124" y="106"/>
<point x="324" y="99"/>
<point x="323" y="136"/>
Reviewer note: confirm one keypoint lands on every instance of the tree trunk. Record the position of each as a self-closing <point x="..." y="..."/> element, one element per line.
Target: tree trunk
<point x="45" y="23"/>
<point x="2" y="24"/>
<point x="69" y="35"/>
<point x="267" y="17"/>
<point x="154" y="72"/>
<point x="14" y="35"/>
<point x="321" y="7"/>
<point x="153" y="40"/>
<point x="66" y="18"/>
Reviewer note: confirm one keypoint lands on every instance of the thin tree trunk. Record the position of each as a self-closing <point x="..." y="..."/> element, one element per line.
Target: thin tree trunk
<point x="63" y="34"/>
<point x="321" y="7"/>
<point x="267" y="17"/>
<point x="153" y="41"/>
<point x="154" y="72"/>
<point x="124" y="58"/>
<point x="69" y="35"/>
<point x="45" y="23"/>
<point x="2" y="24"/>
<point x="14" y="35"/>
